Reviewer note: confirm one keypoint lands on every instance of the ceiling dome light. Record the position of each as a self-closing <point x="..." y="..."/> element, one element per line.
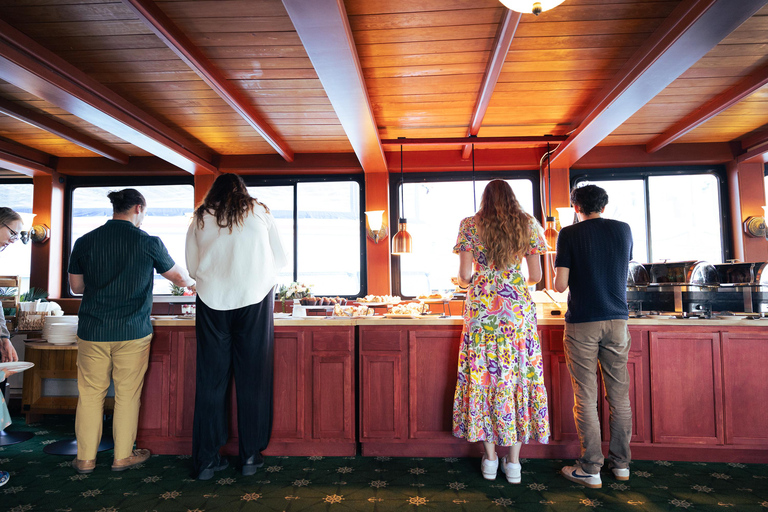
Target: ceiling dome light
<point x="531" y="6"/>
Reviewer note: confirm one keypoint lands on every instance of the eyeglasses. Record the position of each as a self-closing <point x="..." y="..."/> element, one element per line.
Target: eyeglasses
<point x="14" y="234"/>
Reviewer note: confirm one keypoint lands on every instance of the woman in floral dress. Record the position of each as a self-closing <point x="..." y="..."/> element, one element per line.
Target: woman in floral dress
<point x="500" y="396"/>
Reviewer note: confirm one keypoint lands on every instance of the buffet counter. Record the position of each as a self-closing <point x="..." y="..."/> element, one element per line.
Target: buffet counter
<point x="385" y="386"/>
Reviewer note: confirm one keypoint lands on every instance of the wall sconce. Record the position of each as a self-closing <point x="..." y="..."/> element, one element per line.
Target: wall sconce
<point x="566" y="215"/>
<point x="531" y="6"/>
<point x="755" y="226"/>
<point x="377" y="228"/>
<point x="38" y="233"/>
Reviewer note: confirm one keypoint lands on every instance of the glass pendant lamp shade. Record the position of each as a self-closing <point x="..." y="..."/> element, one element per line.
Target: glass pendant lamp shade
<point x="550" y="235"/>
<point x="531" y="6"/>
<point x="402" y="242"/>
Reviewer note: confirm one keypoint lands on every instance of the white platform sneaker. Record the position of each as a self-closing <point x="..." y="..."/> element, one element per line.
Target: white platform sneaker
<point x="489" y="468"/>
<point x="578" y="475"/>
<point x="512" y="470"/>
<point x="621" y="474"/>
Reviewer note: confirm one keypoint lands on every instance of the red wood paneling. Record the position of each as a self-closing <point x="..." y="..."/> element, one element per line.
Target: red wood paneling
<point x="432" y="367"/>
<point x="686" y="388"/>
<point x="184" y="362"/>
<point x="288" y="420"/>
<point x="637" y="367"/>
<point x="745" y="386"/>
<point x="332" y="396"/>
<point x="155" y="396"/>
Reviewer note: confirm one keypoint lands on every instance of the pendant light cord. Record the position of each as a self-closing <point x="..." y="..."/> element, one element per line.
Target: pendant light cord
<point x="474" y="188"/>
<point x="549" y="180"/>
<point x="402" y="194"/>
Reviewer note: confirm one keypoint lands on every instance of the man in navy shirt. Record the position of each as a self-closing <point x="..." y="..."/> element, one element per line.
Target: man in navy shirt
<point x="592" y="261"/>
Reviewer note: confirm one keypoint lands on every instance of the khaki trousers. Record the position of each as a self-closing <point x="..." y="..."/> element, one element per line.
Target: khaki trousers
<point x="125" y="363"/>
<point x="586" y="344"/>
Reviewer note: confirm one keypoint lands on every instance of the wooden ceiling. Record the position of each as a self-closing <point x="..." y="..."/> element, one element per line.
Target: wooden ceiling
<point x="271" y="84"/>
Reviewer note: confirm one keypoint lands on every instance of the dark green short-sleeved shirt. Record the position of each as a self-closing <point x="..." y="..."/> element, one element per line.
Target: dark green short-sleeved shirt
<point x="117" y="262"/>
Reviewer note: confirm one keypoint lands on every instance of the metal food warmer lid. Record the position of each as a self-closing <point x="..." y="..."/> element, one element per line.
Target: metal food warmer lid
<point x="735" y="274"/>
<point x="638" y="275"/>
<point x="698" y="273"/>
<point x="760" y="273"/>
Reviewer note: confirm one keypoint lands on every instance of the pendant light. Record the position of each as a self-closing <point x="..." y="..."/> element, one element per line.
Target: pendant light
<point x="402" y="242"/>
<point x="550" y="228"/>
<point x="531" y="6"/>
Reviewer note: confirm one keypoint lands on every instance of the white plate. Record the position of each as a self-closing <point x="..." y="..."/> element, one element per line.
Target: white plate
<point x="16" y="366"/>
<point x="377" y="304"/>
<point x="396" y="315"/>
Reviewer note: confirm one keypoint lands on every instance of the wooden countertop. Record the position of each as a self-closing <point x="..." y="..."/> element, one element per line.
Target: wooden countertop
<point x="543" y="319"/>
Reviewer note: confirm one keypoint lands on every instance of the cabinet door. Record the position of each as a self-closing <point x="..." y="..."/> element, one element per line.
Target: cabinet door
<point x="289" y="406"/>
<point x="155" y="395"/>
<point x="432" y="366"/>
<point x="560" y="400"/>
<point x="184" y="360"/>
<point x="637" y="382"/>
<point x="332" y="396"/>
<point x="686" y="387"/>
<point x="383" y="384"/>
<point x="332" y="383"/>
<point x="745" y="386"/>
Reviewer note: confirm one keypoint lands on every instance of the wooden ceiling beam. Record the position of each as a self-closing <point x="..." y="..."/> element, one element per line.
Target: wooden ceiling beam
<point x="23" y="165"/>
<point x="693" y="29"/>
<point x="485" y="141"/>
<point x="324" y="30"/>
<point x="181" y="45"/>
<point x="38" y="71"/>
<point x="26" y="152"/>
<point x="61" y="130"/>
<point x="504" y="36"/>
<point x="756" y="139"/>
<point x="710" y="109"/>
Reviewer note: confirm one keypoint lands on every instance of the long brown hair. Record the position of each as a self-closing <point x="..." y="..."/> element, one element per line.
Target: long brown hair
<point x="228" y="201"/>
<point x="503" y="226"/>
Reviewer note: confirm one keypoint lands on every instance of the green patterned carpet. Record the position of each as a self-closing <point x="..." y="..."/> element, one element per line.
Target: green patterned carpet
<point x="41" y="482"/>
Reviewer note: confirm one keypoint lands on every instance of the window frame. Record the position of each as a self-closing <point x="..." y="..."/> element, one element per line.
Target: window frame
<point x="74" y="182"/>
<point x="293" y="181"/>
<point x="428" y="177"/>
<point x="9" y="180"/>
<point x="644" y="173"/>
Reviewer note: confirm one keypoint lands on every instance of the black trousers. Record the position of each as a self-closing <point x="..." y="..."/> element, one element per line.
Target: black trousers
<point x="239" y="340"/>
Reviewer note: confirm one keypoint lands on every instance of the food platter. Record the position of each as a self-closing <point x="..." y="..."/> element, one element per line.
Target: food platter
<point x="377" y="304"/>
<point x="434" y="301"/>
<point x="396" y="315"/>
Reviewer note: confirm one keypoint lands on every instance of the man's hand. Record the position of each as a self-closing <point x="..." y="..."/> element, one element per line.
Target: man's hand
<point x="7" y="352"/>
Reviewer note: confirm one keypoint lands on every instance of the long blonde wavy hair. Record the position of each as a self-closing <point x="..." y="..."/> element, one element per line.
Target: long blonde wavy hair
<point x="503" y="226"/>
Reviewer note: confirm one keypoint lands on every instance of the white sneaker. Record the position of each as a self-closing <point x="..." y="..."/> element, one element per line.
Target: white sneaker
<point x="621" y="473"/>
<point x="512" y="470"/>
<point x="489" y="468"/>
<point x="578" y="475"/>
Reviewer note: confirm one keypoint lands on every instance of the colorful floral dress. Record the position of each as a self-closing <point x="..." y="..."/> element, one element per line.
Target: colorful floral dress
<point x="500" y="395"/>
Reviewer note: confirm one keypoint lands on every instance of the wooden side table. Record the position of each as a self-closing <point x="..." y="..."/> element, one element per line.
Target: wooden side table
<point x="51" y="362"/>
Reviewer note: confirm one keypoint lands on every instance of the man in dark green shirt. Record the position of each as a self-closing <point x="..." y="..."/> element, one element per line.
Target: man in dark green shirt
<point x="113" y="267"/>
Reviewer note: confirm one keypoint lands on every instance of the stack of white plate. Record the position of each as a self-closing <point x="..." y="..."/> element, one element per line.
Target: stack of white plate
<point x="60" y="330"/>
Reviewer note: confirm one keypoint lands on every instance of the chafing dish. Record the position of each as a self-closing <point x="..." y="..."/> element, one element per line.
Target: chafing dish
<point x="684" y="287"/>
<point x="743" y="287"/>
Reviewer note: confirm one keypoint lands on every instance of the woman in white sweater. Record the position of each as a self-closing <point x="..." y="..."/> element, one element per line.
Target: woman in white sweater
<point x="234" y="253"/>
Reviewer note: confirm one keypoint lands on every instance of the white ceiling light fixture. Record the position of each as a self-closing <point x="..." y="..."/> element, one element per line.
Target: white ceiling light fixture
<point x="531" y="6"/>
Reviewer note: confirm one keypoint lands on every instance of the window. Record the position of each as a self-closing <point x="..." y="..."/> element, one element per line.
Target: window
<point x="17" y="257"/>
<point x="320" y="227"/>
<point x="674" y="217"/>
<point x="434" y="210"/>
<point x="169" y="211"/>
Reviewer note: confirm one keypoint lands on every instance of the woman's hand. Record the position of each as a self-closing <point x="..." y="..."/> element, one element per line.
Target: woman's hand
<point x="7" y="352"/>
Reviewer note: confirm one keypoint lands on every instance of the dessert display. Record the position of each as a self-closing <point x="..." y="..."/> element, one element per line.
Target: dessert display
<point x="436" y="297"/>
<point x="352" y="311"/>
<point x="322" y="301"/>
<point x="379" y="299"/>
<point x="411" y="308"/>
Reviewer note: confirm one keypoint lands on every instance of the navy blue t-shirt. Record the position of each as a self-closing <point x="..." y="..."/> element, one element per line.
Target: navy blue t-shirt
<point x="597" y="252"/>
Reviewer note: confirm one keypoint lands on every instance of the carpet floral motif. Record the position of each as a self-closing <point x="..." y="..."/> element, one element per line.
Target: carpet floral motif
<point x="47" y="483"/>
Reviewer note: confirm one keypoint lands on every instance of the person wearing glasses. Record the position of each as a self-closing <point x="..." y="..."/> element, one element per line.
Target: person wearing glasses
<point x="113" y="267"/>
<point x="10" y="225"/>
